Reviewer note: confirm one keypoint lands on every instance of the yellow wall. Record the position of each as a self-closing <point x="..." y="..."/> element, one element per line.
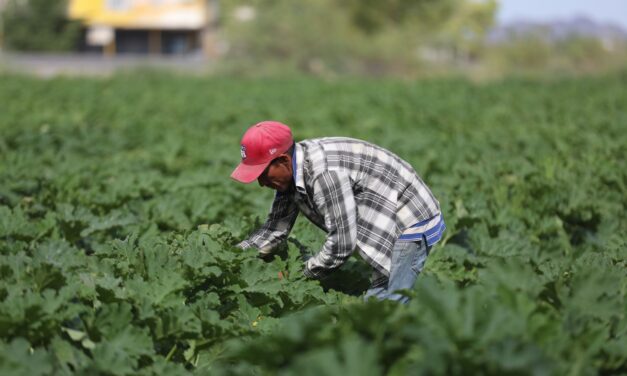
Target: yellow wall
<point x="144" y="14"/>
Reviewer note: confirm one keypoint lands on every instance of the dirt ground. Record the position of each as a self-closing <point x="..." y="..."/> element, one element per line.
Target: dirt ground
<point x="51" y="65"/>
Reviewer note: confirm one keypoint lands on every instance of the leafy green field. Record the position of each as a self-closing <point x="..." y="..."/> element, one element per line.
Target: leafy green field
<point x="117" y="220"/>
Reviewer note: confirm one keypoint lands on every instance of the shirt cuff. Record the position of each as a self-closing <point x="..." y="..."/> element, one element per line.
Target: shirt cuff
<point x="245" y="244"/>
<point x="308" y="273"/>
<point x="313" y="275"/>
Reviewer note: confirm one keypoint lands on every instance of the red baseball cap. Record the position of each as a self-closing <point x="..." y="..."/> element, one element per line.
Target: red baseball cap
<point x="260" y="145"/>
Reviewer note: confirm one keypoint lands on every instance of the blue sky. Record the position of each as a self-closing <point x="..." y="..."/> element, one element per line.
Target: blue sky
<point x="614" y="11"/>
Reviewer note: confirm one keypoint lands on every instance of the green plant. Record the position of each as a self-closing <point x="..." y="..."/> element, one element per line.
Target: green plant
<point x="117" y="225"/>
<point x="39" y="25"/>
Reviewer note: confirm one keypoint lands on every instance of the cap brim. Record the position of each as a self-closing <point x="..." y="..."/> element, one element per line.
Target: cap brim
<point x="248" y="173"/>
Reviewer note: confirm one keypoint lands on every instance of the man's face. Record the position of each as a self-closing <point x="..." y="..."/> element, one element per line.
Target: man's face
<point x="278" y="175"/>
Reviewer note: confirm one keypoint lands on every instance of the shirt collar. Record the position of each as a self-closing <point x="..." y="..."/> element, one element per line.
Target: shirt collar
<point x="297" y="168"/>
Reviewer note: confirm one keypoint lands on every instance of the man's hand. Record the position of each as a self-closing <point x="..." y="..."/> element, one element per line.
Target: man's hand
<point x="282" y="275"/>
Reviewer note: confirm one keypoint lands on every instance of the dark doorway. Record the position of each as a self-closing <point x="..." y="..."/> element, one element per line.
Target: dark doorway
<point x="131" y="41"/>
<point x="176" y="42"/>
<point x="167" y="42"/>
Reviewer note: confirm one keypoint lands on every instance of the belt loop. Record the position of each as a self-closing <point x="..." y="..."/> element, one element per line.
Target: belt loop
<point x="425" y="244"/>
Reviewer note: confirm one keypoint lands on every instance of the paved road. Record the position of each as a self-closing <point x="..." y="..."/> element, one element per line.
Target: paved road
<point x="50" y="65"/>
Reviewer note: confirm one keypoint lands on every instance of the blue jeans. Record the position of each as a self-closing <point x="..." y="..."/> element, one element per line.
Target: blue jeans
<point x="408" y="258"/>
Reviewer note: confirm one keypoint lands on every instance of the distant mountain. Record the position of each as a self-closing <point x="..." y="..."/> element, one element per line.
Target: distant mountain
<point x="558" y="30"/>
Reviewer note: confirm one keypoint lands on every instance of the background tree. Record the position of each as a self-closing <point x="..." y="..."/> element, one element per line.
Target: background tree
<point x="356" y="36"/>
<point x="39" y="25"/>
<point x="372" y="16"/>
<point x="464" y="32"/>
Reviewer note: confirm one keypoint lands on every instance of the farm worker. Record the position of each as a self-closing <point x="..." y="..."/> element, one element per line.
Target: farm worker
<point x="363" y="196"/>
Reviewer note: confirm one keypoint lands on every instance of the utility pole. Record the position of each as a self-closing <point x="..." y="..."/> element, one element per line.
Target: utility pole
<point x="209" y="38"/>
<point x="3" y="4"/>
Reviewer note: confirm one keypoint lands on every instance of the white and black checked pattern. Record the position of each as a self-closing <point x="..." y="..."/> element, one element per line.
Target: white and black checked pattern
<point x="362" y="195"/>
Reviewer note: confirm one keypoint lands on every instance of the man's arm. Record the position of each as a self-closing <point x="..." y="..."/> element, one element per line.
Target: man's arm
<point x="278" y="225"/>
<point x="333" y="191"/>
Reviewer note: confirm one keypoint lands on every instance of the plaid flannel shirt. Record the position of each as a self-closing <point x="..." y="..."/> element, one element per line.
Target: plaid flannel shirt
<point x="362" y="195"/>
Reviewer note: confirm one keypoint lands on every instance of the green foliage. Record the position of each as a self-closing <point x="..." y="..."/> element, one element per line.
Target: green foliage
<point x="39" y="25"/>
<point x="328" y="37"/>
<point x="373" y="16"/>
<point x="406" y="38"/>
<point x="117" y="225"/>
<point x="531" y="52"/>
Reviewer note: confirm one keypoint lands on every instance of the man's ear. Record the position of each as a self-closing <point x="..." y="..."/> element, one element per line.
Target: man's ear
<point x="284" y="159"/>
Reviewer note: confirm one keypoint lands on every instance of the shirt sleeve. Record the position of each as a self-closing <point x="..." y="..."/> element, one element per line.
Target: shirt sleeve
<point x="334" y="193"/>
<point x="276" y="228"/>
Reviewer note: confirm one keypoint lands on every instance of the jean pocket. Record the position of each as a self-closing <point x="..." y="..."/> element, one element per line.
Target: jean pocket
<point x="419" y="257"/>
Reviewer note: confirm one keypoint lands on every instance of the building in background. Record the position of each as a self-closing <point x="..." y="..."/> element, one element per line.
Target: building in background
<point x="146" y="26"/>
